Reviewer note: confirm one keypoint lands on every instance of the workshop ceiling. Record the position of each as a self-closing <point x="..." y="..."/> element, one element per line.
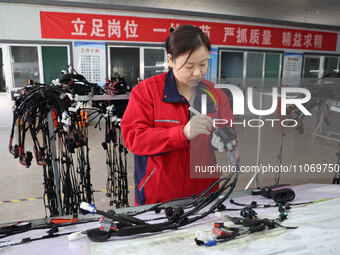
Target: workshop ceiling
<point x="325" y="12"/>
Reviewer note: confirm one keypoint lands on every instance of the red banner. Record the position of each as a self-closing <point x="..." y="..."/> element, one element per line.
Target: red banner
<point x="79" y="26"/>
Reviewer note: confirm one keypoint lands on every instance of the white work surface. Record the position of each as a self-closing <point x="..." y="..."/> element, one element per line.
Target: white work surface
<point x="318" y="232"/>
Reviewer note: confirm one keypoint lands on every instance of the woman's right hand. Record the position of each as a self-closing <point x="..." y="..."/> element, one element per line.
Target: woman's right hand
<point x="198" y="124"/>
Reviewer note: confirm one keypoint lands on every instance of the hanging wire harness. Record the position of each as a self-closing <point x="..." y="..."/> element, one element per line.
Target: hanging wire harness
<point x="69" y="131"/>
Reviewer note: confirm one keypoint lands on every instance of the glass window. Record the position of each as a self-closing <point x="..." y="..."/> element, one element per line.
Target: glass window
<point x="125" y="63"/>
<point x="254" y="69"/>
<point x="331" y="65"/>
<point x="231" y="68"/>
<point x="154" y="62"/>
<point x="311" y="68"/>
<point x="25" y="65"/>
<point x="2" y="73"/>
<point x="271" y="70"/>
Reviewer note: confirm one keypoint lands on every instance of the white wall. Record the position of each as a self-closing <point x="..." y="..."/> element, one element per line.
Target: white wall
<point x="22" y="21"/>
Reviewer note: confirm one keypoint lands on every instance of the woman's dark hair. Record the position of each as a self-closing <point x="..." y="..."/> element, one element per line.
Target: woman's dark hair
<point x="185" y="38"/>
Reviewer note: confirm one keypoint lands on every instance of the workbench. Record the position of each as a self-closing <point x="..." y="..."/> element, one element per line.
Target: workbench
<point x="318" y="231"/>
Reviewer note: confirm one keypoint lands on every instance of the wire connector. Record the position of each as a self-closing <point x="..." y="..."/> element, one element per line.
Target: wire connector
<point x="66" y="119"/>
<point x="201" y="236"/>
<point x="75" y="109"/>
<point x="88" y="207"/>
<point x="76" y="236"/>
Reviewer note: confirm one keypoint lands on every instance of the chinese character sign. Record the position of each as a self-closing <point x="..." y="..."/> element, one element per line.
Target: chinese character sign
<point x="80" y="26"/>
<point x="89" y="60"/>
<point x="291" y="73"/>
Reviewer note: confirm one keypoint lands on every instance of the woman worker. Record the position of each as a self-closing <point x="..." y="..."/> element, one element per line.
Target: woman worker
<point x="157" y="127"/>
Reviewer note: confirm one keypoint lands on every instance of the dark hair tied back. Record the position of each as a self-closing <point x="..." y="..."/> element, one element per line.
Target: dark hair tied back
<point x="185" y="38"/>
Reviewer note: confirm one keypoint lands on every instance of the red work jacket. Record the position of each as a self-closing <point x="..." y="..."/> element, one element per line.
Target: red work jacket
<point x="152" y="128"/>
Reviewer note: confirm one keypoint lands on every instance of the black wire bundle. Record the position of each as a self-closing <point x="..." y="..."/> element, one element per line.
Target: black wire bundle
<point x="116" y="160"/>
<point x="77" y="84"/>
<point x="33" y="104"/>
<point x="77" y="178"/>
<point x="176" y="217"/>
<point x="116" y="152"/>
<point x="116" y="86"/>
<point x="71" y="189"/>
<point x="190" y="212"/>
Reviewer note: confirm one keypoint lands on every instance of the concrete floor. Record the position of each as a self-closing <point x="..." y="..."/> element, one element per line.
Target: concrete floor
<point x="18" y="182"/>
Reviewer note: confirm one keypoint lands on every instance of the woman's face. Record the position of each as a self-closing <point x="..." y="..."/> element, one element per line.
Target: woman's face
<point x="193" y="71"/>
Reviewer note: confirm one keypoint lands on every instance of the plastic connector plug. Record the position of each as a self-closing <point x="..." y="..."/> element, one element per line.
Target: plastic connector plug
<point x="76" y="108"/>
<point x="109" y="109"/>
<point x="56" y="82"/>
<point x="210" y="243"/>
<point x="201" y="236"/>
<point x="66" y="119"/>
<point x="76" y="236"/>
<point x="88" y="207"/>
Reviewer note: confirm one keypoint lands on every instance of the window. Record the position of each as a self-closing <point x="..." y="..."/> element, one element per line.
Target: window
<point x="231" y="68"/>
<point x="2" y="73"/>
<point x="254" y="69"/>
<point x="250" y="69"/>
<point x="154" y="62"/>
<point x="272" y="70"/>
<point x="311" y="67"/>
<point x="331" y="65"/>
<point x="136" y="62"/>
<point x="124" y="62"/>
<point x="25" y="64"/>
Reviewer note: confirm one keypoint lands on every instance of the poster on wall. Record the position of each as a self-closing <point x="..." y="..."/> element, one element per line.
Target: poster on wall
<point x="89" y="60"/>
<point x="292" y="66"/>
<point x="211" y="74"/>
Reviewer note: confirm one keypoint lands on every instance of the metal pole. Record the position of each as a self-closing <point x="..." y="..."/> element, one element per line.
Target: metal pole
<point x="259" y="148"/>
<point x="54" y="160"/>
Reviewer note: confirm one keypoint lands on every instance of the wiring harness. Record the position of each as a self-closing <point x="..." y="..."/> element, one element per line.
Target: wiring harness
<point x="248" y="222"/>
<point x="69" y="131"/>
<point x="193" y="209"/>
<point x="116" y="152"/>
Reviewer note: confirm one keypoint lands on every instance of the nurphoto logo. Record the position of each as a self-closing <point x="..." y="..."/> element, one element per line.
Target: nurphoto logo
<point x="238" y="105"/>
